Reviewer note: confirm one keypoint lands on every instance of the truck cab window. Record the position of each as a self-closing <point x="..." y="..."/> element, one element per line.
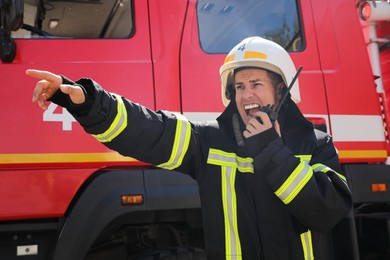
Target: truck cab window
<point x="76" y="19"/>
<point x="224" y="23"/>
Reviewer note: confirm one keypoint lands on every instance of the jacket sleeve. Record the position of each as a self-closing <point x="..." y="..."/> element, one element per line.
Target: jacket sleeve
<point x="161" y="138"/>
<point x="311" y="186"/>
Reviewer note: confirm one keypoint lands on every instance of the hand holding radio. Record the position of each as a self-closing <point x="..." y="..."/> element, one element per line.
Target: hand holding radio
<point x="263" y="120"/>
<point x="269" y="110"/>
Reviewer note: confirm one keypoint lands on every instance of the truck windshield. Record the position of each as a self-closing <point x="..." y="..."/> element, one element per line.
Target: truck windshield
<point x="80" y="19"/>
<point x="222" y="24"/>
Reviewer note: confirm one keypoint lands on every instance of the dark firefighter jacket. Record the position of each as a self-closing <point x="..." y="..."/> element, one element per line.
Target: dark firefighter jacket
<point x="262" y="198"/>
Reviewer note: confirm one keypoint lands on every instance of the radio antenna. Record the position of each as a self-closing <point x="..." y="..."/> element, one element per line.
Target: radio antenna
<point x="288" y="89"/>
<point x="273" y="114"/>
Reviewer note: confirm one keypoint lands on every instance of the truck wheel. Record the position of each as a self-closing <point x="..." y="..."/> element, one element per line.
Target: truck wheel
<point x="173" y="254"/>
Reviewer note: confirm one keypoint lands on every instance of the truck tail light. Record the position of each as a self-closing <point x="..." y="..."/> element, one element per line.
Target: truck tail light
<point x="365" y="11"/>
<point x="374" y="11"/>
<point x="132" y="199"/>
<point x="378" y="187"/>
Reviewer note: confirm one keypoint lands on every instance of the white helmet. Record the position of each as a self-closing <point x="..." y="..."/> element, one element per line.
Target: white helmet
<point x="261" y="53"/>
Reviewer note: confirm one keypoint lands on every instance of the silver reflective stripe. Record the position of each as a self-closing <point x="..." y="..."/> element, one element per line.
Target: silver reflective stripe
<point x="222" y="158"/>
<point x="180" y="143"/>
<point x="323" y="168"/>
<point x="307" y="245"/>
<point x="304" y="157"/>
<point x="229" y="200"/>
<point x="295" y="182"/>
<point x="229" y="163"/>
<point x="117" y="126"/>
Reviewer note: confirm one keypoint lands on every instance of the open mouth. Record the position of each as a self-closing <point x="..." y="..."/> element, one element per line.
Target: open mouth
<point x="251" y="109"/>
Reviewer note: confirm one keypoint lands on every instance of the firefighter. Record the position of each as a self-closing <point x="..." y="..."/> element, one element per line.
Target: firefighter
<point x="269" y="190"/>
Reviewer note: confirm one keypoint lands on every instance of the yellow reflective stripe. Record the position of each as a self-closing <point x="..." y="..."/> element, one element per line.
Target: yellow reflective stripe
<point x="318" y="167"/>
<point x="229" y="163"/>
<point x="304" y="157"/>
<point x="358" y="154"/>
<point x="180" y="143"/>
<point x="117" y="126"/>
<point x="254" y="55"/>
<point x="307" y="245"/>
<point x="222" y="158"/>
<point x="229" y="58"/>
<point x="229" y="202"/>
<point x="295" y="182"/>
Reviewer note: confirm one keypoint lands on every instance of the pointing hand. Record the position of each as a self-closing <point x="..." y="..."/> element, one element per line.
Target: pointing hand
<point x="49" y="84"/>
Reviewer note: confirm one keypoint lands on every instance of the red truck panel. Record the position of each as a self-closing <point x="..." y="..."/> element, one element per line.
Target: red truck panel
<point x="355" y="116"/>
<point x="166" y="25"/>
<point x="39" y="193"/>
<point x="29" y="142"/>
<point x="113" y="63"/>
<point x="163" y="67"/>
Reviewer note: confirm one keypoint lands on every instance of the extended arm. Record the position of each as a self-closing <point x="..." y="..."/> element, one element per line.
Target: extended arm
<point x="160" y="138"/>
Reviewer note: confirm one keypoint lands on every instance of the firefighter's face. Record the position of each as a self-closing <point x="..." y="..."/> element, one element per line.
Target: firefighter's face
<point x="254" y="89"/>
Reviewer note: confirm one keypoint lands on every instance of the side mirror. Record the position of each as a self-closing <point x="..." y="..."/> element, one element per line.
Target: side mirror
<point x="7" y="48"/>
<point x="11" y="15"/>
<point x="11" y="19"/>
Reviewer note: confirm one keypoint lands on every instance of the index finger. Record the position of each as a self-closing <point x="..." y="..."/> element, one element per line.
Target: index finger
<point x="46" y="75"/>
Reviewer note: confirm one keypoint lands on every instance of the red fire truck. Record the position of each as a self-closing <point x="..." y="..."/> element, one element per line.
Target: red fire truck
<point x="65" y="196"/>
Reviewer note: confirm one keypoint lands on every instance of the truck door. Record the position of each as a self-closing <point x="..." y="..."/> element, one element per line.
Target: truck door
<point x="102" y="40"/>
<point x="212" y="28"/>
